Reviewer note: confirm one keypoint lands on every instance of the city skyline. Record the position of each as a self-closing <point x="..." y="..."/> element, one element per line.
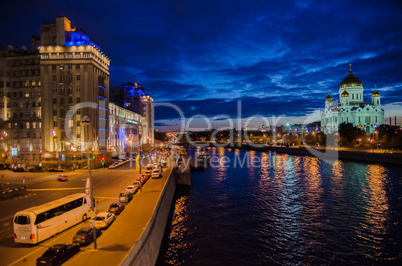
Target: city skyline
<point x="278" y="59"/>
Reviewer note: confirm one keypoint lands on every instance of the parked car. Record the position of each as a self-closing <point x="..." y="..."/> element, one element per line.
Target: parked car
<point x="85" y="235"/>
<point x="156" y="173"/>
<point x="116" y="208"/>
<point x="132" y="189"/>
<point x="36" y="169"/>
<point x="57" y="254"/>
<point x="19" y="169"/>
<point x="125" y="196"/>
<point x="104" y="219"/>
<point x="62" y="178"/>
<point x="58" y="169"/>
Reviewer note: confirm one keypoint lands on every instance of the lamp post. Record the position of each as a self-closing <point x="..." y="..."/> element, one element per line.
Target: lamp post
<point x="86" y="120"/>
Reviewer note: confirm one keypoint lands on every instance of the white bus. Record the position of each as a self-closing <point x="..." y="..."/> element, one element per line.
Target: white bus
<point x="38" y="223"/>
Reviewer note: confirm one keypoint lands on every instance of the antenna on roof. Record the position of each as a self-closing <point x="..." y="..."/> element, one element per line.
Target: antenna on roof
<point x="350" y="66"/>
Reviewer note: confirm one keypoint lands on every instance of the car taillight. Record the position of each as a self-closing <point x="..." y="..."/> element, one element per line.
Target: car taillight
<point x="15" y="236"/>
<point x="83" y="238"/>
<point x="32" y="236"/>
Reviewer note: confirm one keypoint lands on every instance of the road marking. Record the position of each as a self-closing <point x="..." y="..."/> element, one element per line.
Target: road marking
<point x="8" y="229"/>
<point x="7" y="218"/>
<point x="112" y="198"/>
<point x="45" y="247"/>
<point x="55" y="189"/>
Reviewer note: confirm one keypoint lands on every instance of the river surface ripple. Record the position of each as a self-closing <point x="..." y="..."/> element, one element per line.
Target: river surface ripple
<point x="256" y="208"/>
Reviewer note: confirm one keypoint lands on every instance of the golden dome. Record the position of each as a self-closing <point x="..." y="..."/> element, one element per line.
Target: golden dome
<point x="375" y="94"/>
<point x="351" y="81"/>
<point x="329" y="98"/>
<point x="345" y="94"/>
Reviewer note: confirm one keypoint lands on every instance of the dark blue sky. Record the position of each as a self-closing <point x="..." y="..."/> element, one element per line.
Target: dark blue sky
<point x="278" y="57"/>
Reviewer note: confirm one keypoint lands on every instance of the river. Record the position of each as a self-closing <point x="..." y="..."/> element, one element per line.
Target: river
<point x="256" y="208"/>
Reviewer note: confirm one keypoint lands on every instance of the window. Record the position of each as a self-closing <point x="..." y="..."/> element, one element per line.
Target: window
<point x="77" y="55"/>
<point x="54" y="123"/>
<point x="54" y="112"/>
<point x="54" y="89"/>
<point x="54" y="78"/>
<point x="22" y="220"/>
<point x="70" y="100"/>
<point x="78" y="136"/>
<point x="78" y="88"/>
<point x="54" y="55"/>
<point x="78" y="123"/>
<point x="1" y="105"/>
<point x="78" y="99"/>
<point x="77" y="67"/>
<point x="78" y="112"/>
<point x="54" y="100"/>
<point x="78" y="77"/>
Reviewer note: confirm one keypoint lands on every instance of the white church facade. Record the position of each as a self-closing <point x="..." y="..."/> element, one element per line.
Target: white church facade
<point x="351" y="108"/>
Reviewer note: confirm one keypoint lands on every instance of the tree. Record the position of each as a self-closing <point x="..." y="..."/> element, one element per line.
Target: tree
<point x="348" y="133"/>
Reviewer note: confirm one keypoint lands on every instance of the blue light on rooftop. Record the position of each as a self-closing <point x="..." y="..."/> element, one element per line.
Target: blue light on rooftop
<point x="76" y="38"/>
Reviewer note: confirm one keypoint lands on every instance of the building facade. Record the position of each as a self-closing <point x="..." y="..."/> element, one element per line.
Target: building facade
<point x="124" y="131"/>
<point x="136" y="100"/>
<point x="74" y="73"/>
<point x="54" y="102"/>
<point x="352" y="108"/>
<point x="20" y="105"/>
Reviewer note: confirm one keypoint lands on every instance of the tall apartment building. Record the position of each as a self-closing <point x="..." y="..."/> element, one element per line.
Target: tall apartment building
<point x="137" y="101"/>
<point x="20" y="105"/>
<point x="73" y="70"/>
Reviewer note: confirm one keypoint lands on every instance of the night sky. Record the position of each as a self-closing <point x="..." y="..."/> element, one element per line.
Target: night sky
<point x="279" y="58"/>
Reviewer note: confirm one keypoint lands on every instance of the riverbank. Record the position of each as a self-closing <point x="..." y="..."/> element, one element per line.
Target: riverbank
<point x="343" y="154"/>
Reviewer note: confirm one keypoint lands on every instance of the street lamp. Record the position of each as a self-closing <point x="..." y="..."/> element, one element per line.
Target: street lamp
<point x="376" y="132"/>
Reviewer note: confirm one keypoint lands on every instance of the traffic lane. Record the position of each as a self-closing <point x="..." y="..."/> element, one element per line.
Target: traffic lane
<point x="27" y="255"/>
<point x="20" y="254"/>
<point x="9" y="206"/>
<point x="12" y="251"/>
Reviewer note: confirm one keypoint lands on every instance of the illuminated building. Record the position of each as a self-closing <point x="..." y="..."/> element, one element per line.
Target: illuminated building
<point x="137" y="101"/>
<point x="124" y="131"/>
<point x="20" y="104"/>
<point x="351" y="108"/>
<point x="73" y="70"/>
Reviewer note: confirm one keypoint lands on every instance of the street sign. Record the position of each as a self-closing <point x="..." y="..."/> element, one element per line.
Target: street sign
<point x="14" y="151"/>
<point x="85" y="119"/>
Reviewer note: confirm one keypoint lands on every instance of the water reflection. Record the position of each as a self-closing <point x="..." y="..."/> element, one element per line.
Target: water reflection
<point x="287" y="210"/>
<point x="374" y="224"/>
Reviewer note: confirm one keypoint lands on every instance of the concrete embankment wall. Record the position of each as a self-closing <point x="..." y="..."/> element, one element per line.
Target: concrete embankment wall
<point x="146" y="250"/>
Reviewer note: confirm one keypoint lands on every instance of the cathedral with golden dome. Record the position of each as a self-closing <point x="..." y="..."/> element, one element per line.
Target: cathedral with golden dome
<point x="351" y="107"/>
